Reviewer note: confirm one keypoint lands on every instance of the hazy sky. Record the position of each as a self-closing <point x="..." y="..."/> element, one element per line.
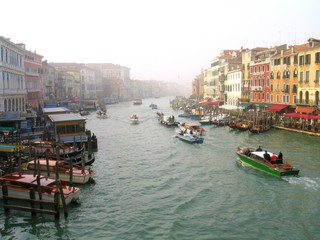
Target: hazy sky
<point x="166" y="40"/>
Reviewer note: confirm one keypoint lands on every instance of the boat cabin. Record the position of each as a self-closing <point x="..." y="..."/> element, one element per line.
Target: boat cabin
<point x="68" y="127"/>
<point x="51" y="111"/>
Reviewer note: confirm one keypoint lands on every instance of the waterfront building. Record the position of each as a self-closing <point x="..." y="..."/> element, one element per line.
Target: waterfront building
<point x="211" y="79"/>
<point x="309" y="72"/>
<point x="198" y="86"/>
<point x="295" y="75"/>
<point x="48" y="76"/>
<point x="12" y="77"/>
<point x="233" y="86"/>
<point x="33" y="68"/>
<point x="260" y="78"/>
<point x="228" y="60"/>
<point x="118" y="74"/>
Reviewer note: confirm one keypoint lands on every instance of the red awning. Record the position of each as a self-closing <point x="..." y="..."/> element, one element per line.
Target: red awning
<point x="304" y="116"/>
<point x="277" y="107"/>
<point x="304" y="110"/>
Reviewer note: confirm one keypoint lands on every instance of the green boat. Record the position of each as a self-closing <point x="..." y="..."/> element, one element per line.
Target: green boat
<point x="256" y="159"/>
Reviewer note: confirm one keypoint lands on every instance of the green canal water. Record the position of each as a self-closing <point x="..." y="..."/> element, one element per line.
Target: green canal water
<point x="150" y="185"/>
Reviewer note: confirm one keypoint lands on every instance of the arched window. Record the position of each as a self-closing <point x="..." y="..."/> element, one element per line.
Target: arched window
<point x="317" y="98"/>
<point x="300" y="97"/>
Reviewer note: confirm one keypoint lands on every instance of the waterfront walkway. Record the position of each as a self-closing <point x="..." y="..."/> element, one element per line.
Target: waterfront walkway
<point x="297" y="131"/>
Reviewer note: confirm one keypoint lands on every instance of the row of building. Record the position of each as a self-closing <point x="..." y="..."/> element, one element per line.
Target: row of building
<point x="284" y="75"/>
<point x="28" y="83"/>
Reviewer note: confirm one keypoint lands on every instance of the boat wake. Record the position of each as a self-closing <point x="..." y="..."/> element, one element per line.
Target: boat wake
<point x="306" y="182"/>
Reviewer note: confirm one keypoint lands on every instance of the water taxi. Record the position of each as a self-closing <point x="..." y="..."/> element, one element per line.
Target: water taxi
<point x="257" y="160"/>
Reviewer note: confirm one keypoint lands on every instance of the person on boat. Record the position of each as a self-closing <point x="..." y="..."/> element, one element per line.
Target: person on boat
<point x="280" y="158"/>
<point x="197" y="135"/>
<point x="259" y="149"/>
<point x="274" y="158"/>
<point x="266" y="156"/>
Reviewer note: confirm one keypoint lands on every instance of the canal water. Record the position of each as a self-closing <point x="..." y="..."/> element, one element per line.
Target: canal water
<point x="150" y="185"/>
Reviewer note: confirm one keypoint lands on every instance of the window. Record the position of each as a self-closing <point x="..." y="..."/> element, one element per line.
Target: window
<point x="272" y="75"/>
<point x="307" y="76"/>
<point x="317" y="57"/>
<point x="294" y="88"/>
<point x="278" y="74"/>
<point x="308" y="59"/>
<point x="301" y="60"/>
<point x="295" y="73"/>
<point x="301" y="77"/>
<point x="317" y="76"/>
<point x="286" y="60"/>
<point x="295" y="60"/>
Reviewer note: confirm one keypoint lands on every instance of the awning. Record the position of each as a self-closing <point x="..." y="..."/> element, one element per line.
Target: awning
<point x="262" y="105"/>
<point x="277" y="107"/>
<point x="303" y="116"/>
<point x="304" y="109"/>
<point x="8" y="130"/>
<point x="244" y="105"/>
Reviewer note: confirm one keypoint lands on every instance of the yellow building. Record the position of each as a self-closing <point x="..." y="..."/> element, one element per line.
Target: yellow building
<point x="295" y="75"/>
<point x="308" y="60"/>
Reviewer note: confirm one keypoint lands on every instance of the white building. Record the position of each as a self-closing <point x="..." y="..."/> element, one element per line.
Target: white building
<point x="12" y="77"/>
<point x="233" y="86"/>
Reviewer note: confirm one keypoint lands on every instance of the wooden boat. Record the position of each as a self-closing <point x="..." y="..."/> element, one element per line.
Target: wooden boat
<point x="255" y="159"/>
<point x="134" y="119"/>
<point x="59" y="151"/>
<point x="259" y="128"/>
<point x="206" y="120"/>
<point x="19" y="185"/>
<point x="168" y="121"/>
<point x="80" y="175"/>
<point x="137" y="101"/>
<point x="189" y="138"/>
<point x="242" y="126"/>
<point x="191" y="128"/>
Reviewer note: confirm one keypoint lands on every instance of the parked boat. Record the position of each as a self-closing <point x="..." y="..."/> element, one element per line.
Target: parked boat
<point x="19" y="185"/>
<point x="59" y="151"/>
<point x="257" y="160"/>
<point x="242" y="126"/>
<point x="168" y="121"/>
<point x="206" y="120"/>
<point x="259" y="128"/>
<point x="191" y="128"/>
<point x="189" y="138"/>
<point x="134" y="119"/>
<point x="79" y="175"/>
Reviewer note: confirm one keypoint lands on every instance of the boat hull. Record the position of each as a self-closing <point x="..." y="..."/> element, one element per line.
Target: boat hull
<point x="20" y="188"/>
<point x="189" y="139"/>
